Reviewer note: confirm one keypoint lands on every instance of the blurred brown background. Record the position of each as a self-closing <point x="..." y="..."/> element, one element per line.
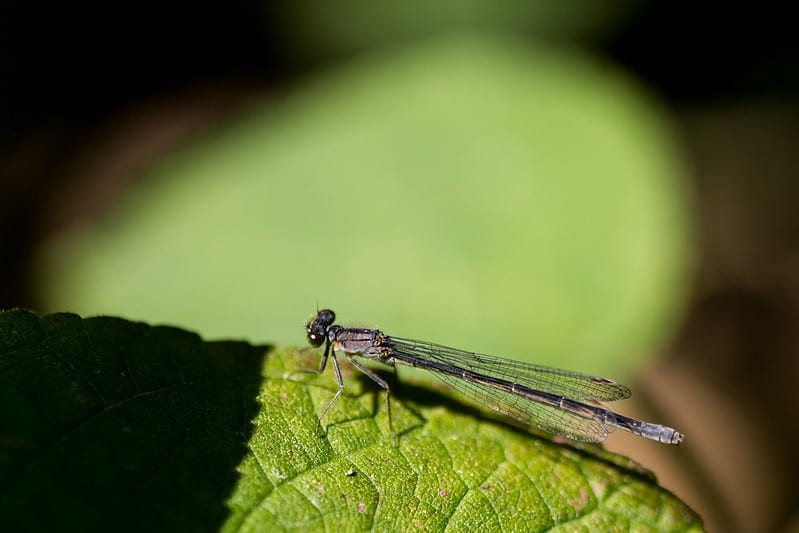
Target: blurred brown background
<point x="91" y="94"/>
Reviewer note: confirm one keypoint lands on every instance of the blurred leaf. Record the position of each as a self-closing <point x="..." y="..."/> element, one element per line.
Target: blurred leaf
<point x="108" y="424"/>
<point x="309" y="31"/>
<point x="477" y="192"/>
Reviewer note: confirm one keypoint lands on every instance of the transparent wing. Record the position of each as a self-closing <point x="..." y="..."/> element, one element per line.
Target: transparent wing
<point x="573" y="385"/>
<point x="587" y="426"/>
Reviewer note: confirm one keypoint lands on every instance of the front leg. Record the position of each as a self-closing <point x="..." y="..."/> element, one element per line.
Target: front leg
<point x="322" y="364"/>
<point x="339" y="380"/>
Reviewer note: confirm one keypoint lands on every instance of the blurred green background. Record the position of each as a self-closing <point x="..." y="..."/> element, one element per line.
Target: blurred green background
<point x="477" y="191"/>
<point x="606" y="188"/>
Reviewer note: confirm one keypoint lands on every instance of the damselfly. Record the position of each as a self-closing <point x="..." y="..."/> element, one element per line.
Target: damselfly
<point x="557" y="401"/>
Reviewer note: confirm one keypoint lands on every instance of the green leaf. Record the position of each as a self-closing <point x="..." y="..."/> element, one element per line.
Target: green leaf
<point x="112" y="425"/>
<point x="107" y="424"/>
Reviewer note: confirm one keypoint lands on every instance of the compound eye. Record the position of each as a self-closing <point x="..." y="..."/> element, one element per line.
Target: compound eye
<point x="316" y="334"/>
<point x="326" y="316"/>
<point x="317" y="328"/>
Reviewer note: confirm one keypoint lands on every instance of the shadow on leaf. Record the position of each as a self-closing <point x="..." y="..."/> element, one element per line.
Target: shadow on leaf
<point x="114" y="425"/>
